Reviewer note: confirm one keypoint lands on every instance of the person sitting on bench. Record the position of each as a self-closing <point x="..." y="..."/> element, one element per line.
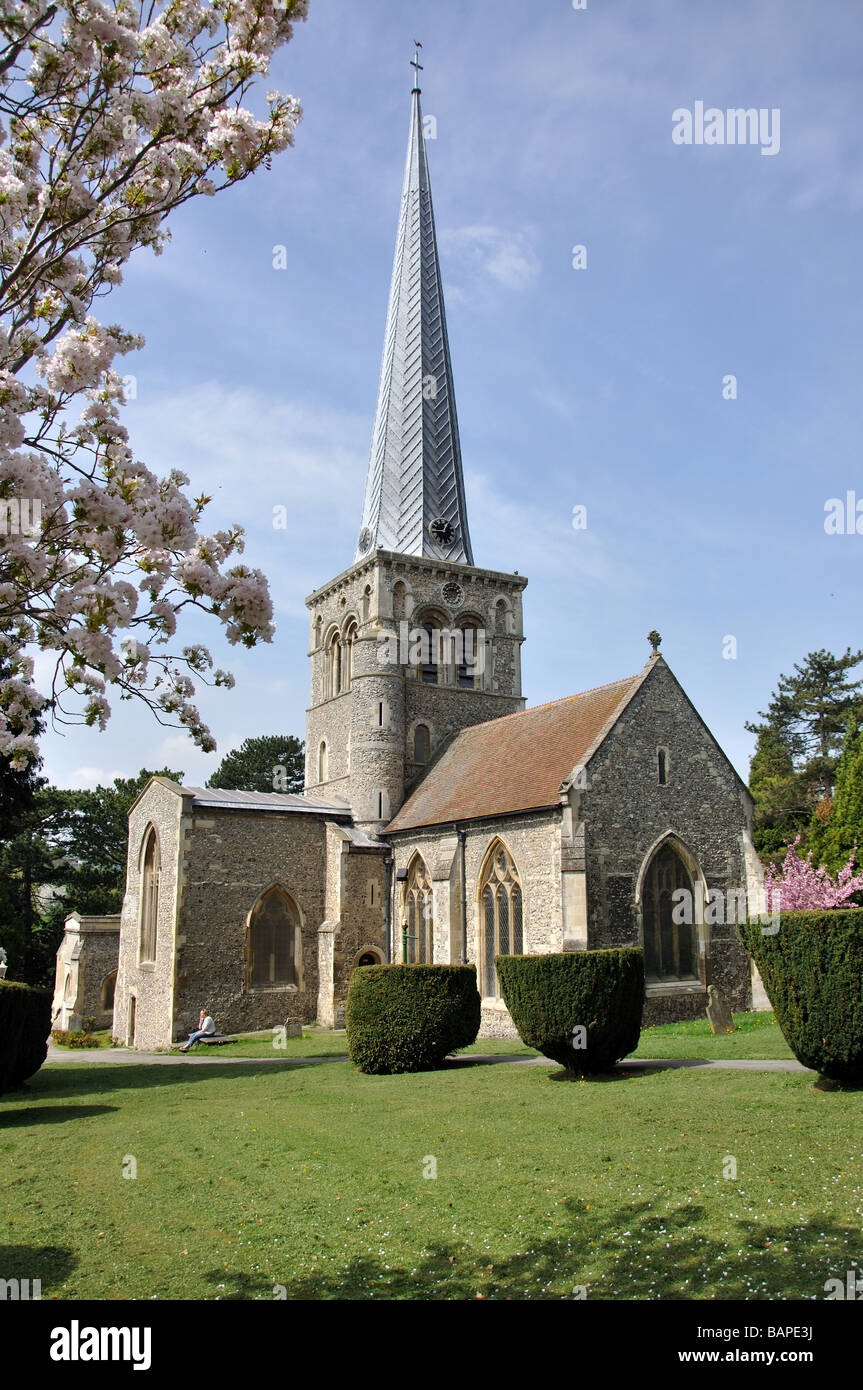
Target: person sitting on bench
<point x="206" y="1029"/>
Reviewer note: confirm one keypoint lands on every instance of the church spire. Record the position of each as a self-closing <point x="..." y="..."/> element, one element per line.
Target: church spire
<point x="414" y="501"/>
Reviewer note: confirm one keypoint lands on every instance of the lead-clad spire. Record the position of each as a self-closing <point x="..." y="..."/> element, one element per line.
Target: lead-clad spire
<point x="414" y="501"/>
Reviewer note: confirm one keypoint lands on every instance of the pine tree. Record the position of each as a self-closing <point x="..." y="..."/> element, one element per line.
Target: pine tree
<point x="269" y="763"/>
<point x="800" y="739"/>
<point x="837" y="825"/>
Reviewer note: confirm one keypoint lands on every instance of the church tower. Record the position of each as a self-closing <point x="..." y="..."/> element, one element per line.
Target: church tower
<point x="414" y="642"/>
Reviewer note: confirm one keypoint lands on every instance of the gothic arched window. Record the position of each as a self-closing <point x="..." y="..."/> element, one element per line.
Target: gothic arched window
<point x="322" y="762"/>
<point x="670" y="949"/>
<point x="149" y="908"/>
<point x="501" y="915"/>
<point x="274" y="940"/>
<point x="422" y="744"/>
<point x="420" y="914"/>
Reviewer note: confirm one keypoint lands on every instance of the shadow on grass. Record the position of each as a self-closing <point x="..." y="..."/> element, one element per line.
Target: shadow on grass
<point x="467" y="1059"/>
<point x="69" y="1079"/>
<point x="631" y="1254"/>
<point x="51" y="1264"/>
<point x="52" y="1114"/>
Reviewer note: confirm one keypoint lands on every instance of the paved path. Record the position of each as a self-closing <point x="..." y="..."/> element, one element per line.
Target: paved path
<point x="125" y="1057"/>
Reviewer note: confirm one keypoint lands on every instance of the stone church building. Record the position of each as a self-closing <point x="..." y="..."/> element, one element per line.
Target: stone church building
<point x="441" y="820"/>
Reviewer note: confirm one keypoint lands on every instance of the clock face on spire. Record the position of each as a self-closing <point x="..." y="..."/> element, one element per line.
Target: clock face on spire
<point x="442" y="531"/>
<point x="365" y="540"/>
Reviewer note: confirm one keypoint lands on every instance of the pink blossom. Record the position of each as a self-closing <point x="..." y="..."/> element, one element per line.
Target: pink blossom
<point x="800" y="885"/>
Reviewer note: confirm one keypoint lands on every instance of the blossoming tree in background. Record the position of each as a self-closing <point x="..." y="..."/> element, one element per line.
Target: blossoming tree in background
<point x="112" y="113"/>
<point x="798" y="884"/>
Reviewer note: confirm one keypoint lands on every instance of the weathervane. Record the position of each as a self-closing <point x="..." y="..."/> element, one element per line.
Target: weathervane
<point x="415" y="63"/>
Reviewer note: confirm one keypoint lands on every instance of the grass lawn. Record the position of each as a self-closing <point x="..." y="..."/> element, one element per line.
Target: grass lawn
<point x="311" y="1177"/>
<point x="756" y="1035"/>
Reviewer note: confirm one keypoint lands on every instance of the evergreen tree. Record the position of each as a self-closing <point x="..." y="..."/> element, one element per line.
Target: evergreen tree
<point x="799" y="745"/>
<point x="269" y="763"/>
<point x="837" y="824"/>
<point x="782" y="807"/>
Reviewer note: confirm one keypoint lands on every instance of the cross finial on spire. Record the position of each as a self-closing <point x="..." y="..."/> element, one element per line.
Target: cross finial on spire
<point x="417" y="65"/>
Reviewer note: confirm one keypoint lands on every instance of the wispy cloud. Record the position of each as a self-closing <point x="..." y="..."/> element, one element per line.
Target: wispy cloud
<point x="504" y="255"/>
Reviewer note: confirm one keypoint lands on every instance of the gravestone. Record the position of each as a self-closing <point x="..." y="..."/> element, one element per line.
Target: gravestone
<point x="718" y="1012"/>
<point x="293" y="1028"/>
<point x="339" y="1021"/>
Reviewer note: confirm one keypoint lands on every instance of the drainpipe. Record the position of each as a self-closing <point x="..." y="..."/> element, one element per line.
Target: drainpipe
<point x="388" y="909"/>
<point x="462" y="892"/>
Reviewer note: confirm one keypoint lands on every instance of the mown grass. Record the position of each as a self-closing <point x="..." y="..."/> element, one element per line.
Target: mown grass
<point x="755" y="1036"/>
<point x="311" y="1177"/>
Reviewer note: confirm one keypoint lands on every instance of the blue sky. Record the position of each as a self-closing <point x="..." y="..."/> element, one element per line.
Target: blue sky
<point x="599" y="387"/>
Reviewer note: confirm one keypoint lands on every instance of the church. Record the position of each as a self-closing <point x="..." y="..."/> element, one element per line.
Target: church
<point x="442" y="820"/>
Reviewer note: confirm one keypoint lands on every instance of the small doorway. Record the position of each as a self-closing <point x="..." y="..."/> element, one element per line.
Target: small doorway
<point x="369" y="958"/>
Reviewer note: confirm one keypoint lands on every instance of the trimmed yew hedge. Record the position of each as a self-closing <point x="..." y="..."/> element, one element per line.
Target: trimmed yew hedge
<point x="408" y="1017"/>
<point x="25" y="1023"/>
<point x="549" y="997"/>
<point x="812" y="970"/>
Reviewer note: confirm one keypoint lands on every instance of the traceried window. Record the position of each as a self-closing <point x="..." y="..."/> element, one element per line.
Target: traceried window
<point x="501" y="915"/>
<point x="670" y="951"/>
<point x="149" y="910"/>
<point x="420" y="914"/>
<point x="422" y="744"/>
<point x="274" y="929"/>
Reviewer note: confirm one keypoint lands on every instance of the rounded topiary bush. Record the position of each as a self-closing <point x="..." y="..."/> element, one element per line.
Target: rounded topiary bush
<point x="812" y="969"/>
<point x="581" y="1008"/>
<point x="25" y="1024"/>
<point x="408" y="1017"/>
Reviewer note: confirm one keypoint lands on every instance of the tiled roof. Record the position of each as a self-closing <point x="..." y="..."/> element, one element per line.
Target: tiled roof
<point x="516" y="763"/>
